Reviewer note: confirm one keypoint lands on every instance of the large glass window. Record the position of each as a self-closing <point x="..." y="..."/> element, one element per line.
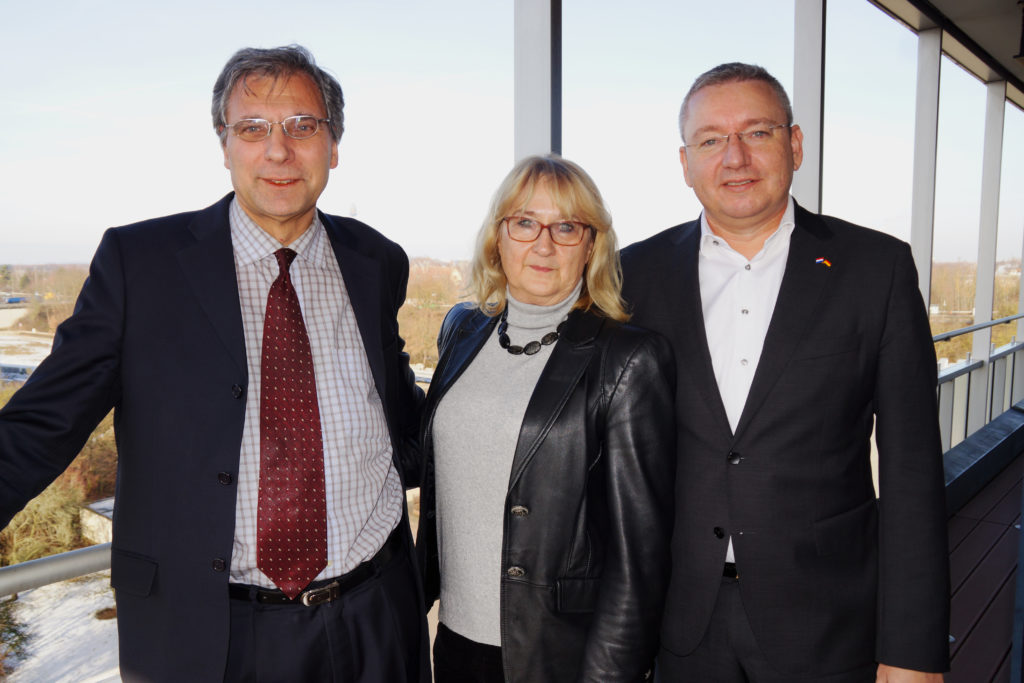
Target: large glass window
<point x="1011" y="223"/>
<point x="626" y="68"/>
<point x="106" y="114"/>
<point x="957" y="205"/>
<point x="868" y="146"/>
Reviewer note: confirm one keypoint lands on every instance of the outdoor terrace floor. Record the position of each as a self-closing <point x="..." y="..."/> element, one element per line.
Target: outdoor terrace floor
<point x="983" y="555"/>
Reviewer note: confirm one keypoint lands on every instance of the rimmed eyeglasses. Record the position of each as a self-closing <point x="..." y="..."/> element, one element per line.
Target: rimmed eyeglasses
<point x="526" y="229"/>
<point x="296" y="127"/>
<point x="707" y="144"/>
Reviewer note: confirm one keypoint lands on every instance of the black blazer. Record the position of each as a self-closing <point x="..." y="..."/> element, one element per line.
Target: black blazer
<point x="830" y="577"/>
<point x="157" y="335"/>
<point x="589" y="503"/>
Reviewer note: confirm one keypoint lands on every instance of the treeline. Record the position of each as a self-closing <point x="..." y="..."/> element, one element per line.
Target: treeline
<point x="952" y="304"/>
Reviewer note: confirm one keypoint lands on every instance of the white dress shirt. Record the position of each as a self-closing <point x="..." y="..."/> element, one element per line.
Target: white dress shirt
<point x="738" y="299"/>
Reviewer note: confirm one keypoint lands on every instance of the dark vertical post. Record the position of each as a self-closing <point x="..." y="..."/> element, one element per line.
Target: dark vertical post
<point x="556" y="76"/>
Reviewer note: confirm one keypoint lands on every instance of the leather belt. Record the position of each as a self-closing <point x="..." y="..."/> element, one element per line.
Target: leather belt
<point x="321" y="592"/>
<point x="729" y="571"/>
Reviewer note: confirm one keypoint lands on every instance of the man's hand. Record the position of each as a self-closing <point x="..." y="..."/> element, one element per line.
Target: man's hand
<point x="892" y="674"/>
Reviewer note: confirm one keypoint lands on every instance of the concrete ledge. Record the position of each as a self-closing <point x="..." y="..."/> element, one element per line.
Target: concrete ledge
<point x="972" y="463"/>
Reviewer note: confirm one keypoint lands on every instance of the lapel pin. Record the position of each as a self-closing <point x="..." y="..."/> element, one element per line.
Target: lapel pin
<point x="822" y="259"/>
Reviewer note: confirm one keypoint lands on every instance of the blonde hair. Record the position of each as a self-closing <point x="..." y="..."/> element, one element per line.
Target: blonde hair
<point x="576" y="196"/>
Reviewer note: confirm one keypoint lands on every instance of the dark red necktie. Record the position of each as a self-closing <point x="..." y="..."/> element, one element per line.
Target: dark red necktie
<point x="291" y="538"/>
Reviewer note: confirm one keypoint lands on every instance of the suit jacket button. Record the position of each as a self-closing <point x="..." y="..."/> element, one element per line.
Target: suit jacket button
<point x="734" y="458"/>
<point x="515" y="572"/>
<point x="224" y="478"/>
<point x="219" y="565"/>
<point x="719" y="532"/>
<point x="519" y="511"/>
<point x="237" y="391"/>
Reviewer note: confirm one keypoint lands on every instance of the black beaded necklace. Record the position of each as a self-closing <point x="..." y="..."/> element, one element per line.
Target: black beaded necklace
<point x="531" y="347"/>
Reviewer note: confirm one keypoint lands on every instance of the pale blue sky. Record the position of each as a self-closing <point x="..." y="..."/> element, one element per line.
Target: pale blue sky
<point x="107" y="113"/>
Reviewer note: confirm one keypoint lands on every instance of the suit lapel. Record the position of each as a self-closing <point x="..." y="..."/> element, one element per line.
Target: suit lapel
<point x="804" y="285"/>
<point x="362" y="281"/>
<point x="689" y="323"/>
<point x="562" y="372"/>
<point x="209" y="268"/>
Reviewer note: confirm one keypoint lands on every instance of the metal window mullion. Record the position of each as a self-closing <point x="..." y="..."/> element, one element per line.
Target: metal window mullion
<point x="809" y="98"/>
<point x="926" y="130"/>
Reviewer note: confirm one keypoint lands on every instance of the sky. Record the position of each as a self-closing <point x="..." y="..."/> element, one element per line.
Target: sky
<point x="106" y="118"/>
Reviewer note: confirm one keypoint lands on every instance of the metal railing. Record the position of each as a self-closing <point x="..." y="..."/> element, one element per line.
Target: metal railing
<point x="61" y="567"/>
<point x="974" y="391"/>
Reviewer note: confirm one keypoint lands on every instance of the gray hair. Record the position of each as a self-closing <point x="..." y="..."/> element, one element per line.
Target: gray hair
<point x="275" y="63"/>
<point x="734" y="72"/>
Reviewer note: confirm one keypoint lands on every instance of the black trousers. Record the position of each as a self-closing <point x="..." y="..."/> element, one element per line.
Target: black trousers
<point x="375" y="633"/>
<point x="730" y="654"/>
<point x="458" y="659"/>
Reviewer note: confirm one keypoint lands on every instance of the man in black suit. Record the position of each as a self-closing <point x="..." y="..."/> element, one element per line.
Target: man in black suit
<point x="169" y="331"/>
<point x="794" y="334"/>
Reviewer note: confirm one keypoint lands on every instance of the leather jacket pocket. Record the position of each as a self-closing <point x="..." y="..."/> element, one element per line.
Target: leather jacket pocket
<point x="576" y="596"/>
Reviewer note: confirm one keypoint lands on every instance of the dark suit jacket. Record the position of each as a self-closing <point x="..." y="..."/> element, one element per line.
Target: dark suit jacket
<point x="157" y="335"/>
<point x="589" y="503"/>
<point x="830" y="577"/>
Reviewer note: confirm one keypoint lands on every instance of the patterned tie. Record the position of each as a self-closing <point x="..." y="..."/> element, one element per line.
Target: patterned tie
<point x="291" y="538"/>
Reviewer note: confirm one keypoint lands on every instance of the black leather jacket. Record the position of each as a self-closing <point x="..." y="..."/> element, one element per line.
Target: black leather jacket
<point x="585" y="558"/>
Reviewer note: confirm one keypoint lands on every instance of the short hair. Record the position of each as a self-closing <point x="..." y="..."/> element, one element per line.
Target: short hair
<point x="276" y="63"/>
<point x="735" y="72"/>
<point x="576" y="195"/>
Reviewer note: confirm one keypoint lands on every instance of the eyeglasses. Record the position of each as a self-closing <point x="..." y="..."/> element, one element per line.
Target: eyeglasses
<point x="566" y="233"/>
<point x="295" y="127"/>
<point x="761" y="136"/>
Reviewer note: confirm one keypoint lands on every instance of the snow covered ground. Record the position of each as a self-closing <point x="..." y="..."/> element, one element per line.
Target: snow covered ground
<point x="67" y="643"/>
<point x="23" y="348"/>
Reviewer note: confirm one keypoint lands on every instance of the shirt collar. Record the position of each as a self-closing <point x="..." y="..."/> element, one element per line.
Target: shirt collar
<point x="709" y="239"/>
<point x="251" y="243"/>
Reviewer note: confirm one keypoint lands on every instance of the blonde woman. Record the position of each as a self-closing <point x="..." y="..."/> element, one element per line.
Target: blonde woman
<point x="549" y="451"/>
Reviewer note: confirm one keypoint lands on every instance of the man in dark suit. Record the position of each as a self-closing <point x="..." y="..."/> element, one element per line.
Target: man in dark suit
<point x="794" y="334"/>
<point x="263" y="412"/>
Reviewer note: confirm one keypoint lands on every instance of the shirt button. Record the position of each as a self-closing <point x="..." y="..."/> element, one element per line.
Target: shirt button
<point x="746" y="267"/>
<point x="719" y="532"/>
<point x="219" y="564"/>
<point x="744" y="362"/>
<point x="744" y="311"/>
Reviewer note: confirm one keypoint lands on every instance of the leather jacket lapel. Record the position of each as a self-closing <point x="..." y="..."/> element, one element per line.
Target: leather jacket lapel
<point x="562" y="373"/>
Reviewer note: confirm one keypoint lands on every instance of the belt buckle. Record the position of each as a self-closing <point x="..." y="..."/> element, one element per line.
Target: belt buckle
<point x="320" y="595"/>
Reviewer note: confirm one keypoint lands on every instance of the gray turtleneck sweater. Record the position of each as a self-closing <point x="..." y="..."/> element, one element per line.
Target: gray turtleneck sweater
<point x="476" y="428"/>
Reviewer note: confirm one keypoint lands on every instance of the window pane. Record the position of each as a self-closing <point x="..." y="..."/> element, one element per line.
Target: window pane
<point x="868" y="147"/>
<point x="1011" y="222"/>
<point x="122" y="130"/>
<point x="957" y="205"/>
<point x="626" y="68"/>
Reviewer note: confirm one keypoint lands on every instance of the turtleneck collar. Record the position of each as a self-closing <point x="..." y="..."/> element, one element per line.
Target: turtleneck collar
<point x="533" y="317"/>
